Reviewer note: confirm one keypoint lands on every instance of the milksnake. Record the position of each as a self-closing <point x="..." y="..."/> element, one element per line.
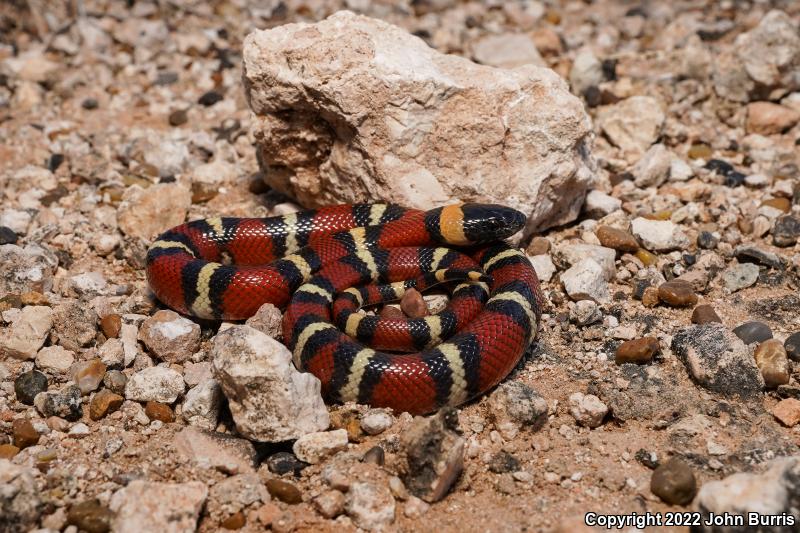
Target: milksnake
<point x="323" y="265"/>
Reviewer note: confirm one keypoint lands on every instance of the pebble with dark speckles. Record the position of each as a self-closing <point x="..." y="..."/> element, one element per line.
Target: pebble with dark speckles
<point x="28" y="385"/>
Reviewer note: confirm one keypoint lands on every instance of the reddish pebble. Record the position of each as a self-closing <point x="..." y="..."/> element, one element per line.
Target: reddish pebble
<point x="413" y="305"/>
<point x="234" y="521"/>
<point x="159" y="411"/>
<point x="616" y="239"/>
<point x="637" y="350"/>
<point x="391" y="312"/>
<point x="538" y="246"/>
<point x="677" y="293"/>
<point x="111" y="325"/>
<point x="787" y="412"/>
<point x="705" y="314"/>
<point x="24" y="433"/>
<point x="7" y="451"/>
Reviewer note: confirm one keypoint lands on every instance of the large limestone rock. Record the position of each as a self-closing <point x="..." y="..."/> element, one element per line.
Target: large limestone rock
<point x="355" y="109"/>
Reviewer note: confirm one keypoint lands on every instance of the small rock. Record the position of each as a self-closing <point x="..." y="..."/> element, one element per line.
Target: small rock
<point x="597" y="205"/>
<point x="786" y="231"/>
<point x="155" y="384"/>
<point x="705" y="314"/>
<point x="617" y="239"/>
<point x="115" y="381"/>
<point x="514" y="402"/>
<point x="586" y="72"/>
<point x="8" y="451"/>
<point x="23" y="433"/>
<point x="586" y="280"/>
<point x="503" y="462"/>
<point x="748" y="253"/>
<point x="587" y="409"/>
<point x="659" y="235"/>
<point x="209" y="98"/>
<point x="415" y="507"/>
<point x="632" y="124"/>
<point x="679" y="170"/>
<point x="677" y="293"/>
<point x="65" y="403"/>
<point x="233" y="495"/>
<point x="653" y="168"/>
<point x="20" y="499"/>
<point x="208" y="449"/>
<point x="103" y="403"/>
<point x="787" y="411"/>
<point x="637" y="351"/>
<point x="752" y="332"/>
<point x="27" y="333"/>
<point x="718" y="360"/>
<point x="88" y="375"/>
<point x="235" y="521"/>
<point x="55" y="359"/>
<point x="370" y="505"/>
<point x="585" y="312"/>
<point x="144" y="213"/>
<point x="506" y="50"/>
<point x="375" y="455"/>
<point x="740" y="276"/>
<point x="314" y="447"/>
<point x="674" y="482"/>
<point x="202" y="404"/>
<point x="74" y="325"/>
<point x="791" y="345"/>
<point x="154" y="506"/>
<point x="284" y="491"/>
<point x="112" y="354"/>
<point x="170" y="337"/>
<point x="28" y="385"/>
<point x="178" y="117"/>
<point x="88" y="284"/>
<point x="268" y="398"/>
<point x="771" y="493"/>
<point x="159" y="411"/>
<point x="650" y="297"/>
<point x="707" y="240"/>
<point x="330" y="504"/>
<point x="433" y="453"/>
<point x="284" y="462"/>
<point x="268" y="319"/>
<point x="376" y="421"/>
<point x="773" y="363"/>
<point x="543" y="266"/>
<point x="7" y="235"/>
<point x="413" y="305"/>
<point x="538" y="246"/>
<point x="90" y="516"/>
<point x="766" y="118"/>
<point x="111" y="325"/>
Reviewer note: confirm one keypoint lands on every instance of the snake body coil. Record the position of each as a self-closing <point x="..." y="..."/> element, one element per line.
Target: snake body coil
<point x="323" y="265"/>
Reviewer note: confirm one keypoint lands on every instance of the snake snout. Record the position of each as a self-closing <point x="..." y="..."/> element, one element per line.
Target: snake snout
<point x="490" y="222"/>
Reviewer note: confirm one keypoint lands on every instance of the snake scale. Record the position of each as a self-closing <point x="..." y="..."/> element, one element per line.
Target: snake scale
<point x="323" y="265"/>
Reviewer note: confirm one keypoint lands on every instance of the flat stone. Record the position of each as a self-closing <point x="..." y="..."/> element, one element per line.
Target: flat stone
<point x="145" y="213"/>
<point x="90" y="516"/>
<point x="599" y="204"/>
<point x="155" y="384"/>
<point x="573" y="254"/>
<point x="314" y="447"/>
<point x="653" y="167"/>
<point x="376" y="421"/>
<point x="749" y="252"/>
<point x="268" y="319"/>
<point x="659" y="235"/>
<point x="718" y="360"/>
<point x="787" y="412"/>
<point x="155" y="506"/>
<point x="637" y="350"/>
<point x="208" y="449"/>
<point x="27" y="333"/>
<point x="752" y="332"/>
<point x="740" y="276"/>
<point x="543" y="266"/>
<point x="381" y="152"/>
<point x="674" y="482"/>
<point x="371" y="505"/>
<point x="111" y="325"/>
<point x="767" y="118"/>
<point x="632" y="124"/>
<point x="202" y="405"/>
<point x="55" y="359"/>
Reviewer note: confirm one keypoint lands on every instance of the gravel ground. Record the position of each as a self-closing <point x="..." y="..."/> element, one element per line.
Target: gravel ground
<point x="666" y="374"/>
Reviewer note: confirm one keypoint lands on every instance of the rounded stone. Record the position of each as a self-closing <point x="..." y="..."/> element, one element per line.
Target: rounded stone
<point x="677" y="293"/>
<point x="28" y="385"/>
<point x="413" y="305"/>
<point x="752" y="332"/>
<point x="707" y="240"/>
<point x="773" y="363"/>
<point x="674" y="482"/>
<point x="376" y="421"/>
<point x="159" y="411"/>
<point x="284" y="462"/>
<point x="637" y="350"/>
<point x="792" y="346"/>
<point x="284" y="491"/>
<point x="375" y="455"/>
<point x="7" y="235"/>
<point x="115" y="381"/>
<point x="111" y="325"/>
<point x="617" y="239"/>
<point x="7" y="451"/>
<point x="178" y="117"/>
<point x="23" y="433"/>
<point x="705" y="314"/>
<point x="90" y="516"/>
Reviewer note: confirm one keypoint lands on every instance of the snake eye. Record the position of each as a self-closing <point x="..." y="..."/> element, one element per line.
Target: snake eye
<point x="491" y="222"/>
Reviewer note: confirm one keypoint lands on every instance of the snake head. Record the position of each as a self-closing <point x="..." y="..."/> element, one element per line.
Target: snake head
<point x="466" y="224"/>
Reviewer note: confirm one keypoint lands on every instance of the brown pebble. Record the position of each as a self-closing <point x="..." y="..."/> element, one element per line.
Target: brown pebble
<point x="34" y="298"/>
<point x="24" y="433"/>
<point x="538" y="246"/>
<point x="616" y="239"/>
<point x="705" y="314"/>
<point x="650" y="297"/>
<point x="674" y="482"/>
<point x="7" y="451"/>
<point x="699" y="151"/>
<point x="647" y="258"/>
<point x="111" y="325"/>
<point x="284" y="491"/>
<point x="787" y="412"/>
<point x="90" y="516"/>
<point x="178" y="117"/>
<point x="88" y="375"/>
<point x="677" y="293"/>
<point x="103" y="403"/>
<point x="637" y="350"/>
<point x="745" y="225"/>
<point x="782" y="204"/>
<point x="773" y="363"/>
<point x="234" y="521"/>
<point x="375" y="455"/>
<point x="159" y="411"/>
<point x="413" y="305"/>
<point x="391" y="312"/>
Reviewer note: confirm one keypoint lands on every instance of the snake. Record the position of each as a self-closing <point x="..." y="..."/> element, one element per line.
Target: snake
<point x="324" y="267"/>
